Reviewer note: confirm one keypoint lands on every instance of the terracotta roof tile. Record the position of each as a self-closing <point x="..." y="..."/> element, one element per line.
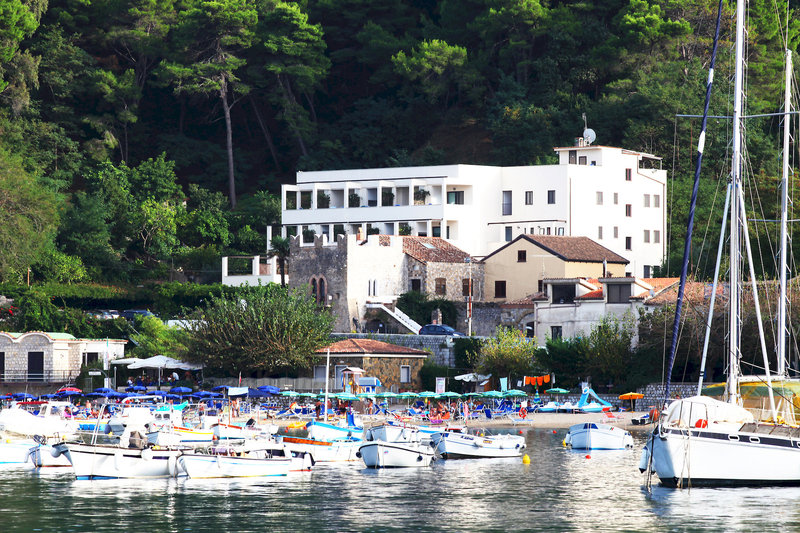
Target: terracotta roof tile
<point x="367" y="347"/>
<point x="433" y="250"/>
<point x="581" y="249"/>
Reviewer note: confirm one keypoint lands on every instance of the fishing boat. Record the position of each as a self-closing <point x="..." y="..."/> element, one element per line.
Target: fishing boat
<point x="323" y="431"/>
<point x="108" y="461"/>
<point x="701" y="440"/>
<point x="594" y="436"/>
<point x="454" y="445"/>
<point x="239" y="461"/>
<point x="324" y="451"/>
<point x="390" y="446"/>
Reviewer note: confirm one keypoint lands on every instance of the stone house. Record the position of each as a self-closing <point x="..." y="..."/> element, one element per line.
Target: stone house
<point x="42" y="357"/>
<point x="397" y="367"/>
<point x="355" y="277"/>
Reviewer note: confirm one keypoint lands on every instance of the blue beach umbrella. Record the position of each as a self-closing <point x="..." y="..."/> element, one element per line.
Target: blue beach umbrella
<point x="136" y="388"/>
<point x="180" y="390"/>
<point x="22" y="396"/>
<point x="104" y="390"/>
<point x="219" y="388"/>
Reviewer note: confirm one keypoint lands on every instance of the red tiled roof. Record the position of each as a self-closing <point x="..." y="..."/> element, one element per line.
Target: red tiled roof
<point x="593" y="295"/>
<point x="368" y="347"/>
<point x="581" y="249"/>
<point x="433" y="250"/>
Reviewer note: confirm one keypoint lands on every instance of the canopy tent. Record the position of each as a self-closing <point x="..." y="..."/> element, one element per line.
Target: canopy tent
<point x="162" y="361"/>
<point x="126" y="361"/>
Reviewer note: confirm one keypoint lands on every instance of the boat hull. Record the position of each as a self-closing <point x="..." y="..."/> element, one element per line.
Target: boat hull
<point x="324" y="451"/>
<point x="459" y="445"/>
<point x="379" y="454"/>
<point x="714" y="457"/>
<point x="112" y="462"/>
<point x="200" y="466"/>
<point x="591" y="436"/>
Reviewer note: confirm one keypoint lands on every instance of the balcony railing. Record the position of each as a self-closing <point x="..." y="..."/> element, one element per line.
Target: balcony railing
<point x="48" y="376"/>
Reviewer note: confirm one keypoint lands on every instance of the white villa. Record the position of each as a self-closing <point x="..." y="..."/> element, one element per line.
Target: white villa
<point x="613" y="196"/>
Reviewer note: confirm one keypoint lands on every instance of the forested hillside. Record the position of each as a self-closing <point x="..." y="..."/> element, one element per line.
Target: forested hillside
<point x="143" y="136"/>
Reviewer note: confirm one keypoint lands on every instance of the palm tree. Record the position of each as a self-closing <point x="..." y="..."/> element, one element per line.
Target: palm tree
<point x="279" y="247"/>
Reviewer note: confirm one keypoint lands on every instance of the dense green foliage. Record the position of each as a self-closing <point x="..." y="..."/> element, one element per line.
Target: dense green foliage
<point x="141" y="138"/>
<point x="265" y="329"/>
<point x="508" y="354"/>
<point x="420" y="307"/>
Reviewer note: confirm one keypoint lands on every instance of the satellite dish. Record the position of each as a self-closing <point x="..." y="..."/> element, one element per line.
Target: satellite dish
<point x="589" y="136"/>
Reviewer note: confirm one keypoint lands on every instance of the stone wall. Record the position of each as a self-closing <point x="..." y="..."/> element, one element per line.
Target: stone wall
<point x="328" y="263"/>
<point x="387" y="369"/>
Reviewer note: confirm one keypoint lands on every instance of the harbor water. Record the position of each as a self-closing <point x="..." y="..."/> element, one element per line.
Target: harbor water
<point x="560" y="490"/>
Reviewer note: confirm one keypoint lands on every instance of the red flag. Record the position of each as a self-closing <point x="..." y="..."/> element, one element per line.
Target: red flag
<point x="240" y="378"/>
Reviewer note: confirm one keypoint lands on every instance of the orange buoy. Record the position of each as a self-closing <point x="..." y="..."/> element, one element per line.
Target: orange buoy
<point x="588" y="456"/>
<point x="554" y="432"/>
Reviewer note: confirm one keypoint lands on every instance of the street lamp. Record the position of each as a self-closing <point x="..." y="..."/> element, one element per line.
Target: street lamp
<point x="469" y="297"/>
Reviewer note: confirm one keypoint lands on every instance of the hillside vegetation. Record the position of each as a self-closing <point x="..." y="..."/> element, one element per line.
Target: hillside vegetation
<point x="141" y="139"/>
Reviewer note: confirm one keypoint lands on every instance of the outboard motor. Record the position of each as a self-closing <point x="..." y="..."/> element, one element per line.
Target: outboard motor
<point x="61" y="449"/>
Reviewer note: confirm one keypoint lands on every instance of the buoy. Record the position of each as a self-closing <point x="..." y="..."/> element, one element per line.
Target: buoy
<point x="588" y="456"/>
<point x="526" y="460"/>
<point x="554" y="432"/>
<point x="564" y="442"/>
<point x="520" y="432"/>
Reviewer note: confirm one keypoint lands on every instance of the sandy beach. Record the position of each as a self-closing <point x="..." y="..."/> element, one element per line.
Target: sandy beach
<point x="533" y="420"/>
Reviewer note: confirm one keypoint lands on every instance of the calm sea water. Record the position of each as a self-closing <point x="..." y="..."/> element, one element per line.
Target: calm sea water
<point x="560" y="490"/>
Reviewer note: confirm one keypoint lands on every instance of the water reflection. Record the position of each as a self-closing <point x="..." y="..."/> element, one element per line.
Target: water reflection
<point x="560" y="490"/>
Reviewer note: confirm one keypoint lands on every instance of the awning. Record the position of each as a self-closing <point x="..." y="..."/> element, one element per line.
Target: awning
<point x="162" y="361"/>
<point x="473" y="377"/>
<point x="353" y="370"/>
<point x="369" y="382"/>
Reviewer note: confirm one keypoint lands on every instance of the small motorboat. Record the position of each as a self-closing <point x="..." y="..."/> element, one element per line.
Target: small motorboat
<point x="382" y="454"/>
<point x="241" y="461"/>
<point x="324" y="431"/>
<point x="107" y="461"/>
<point x="453" y="445"/>
<point x="549" y="407"/>
<point x="324" y="451"/>
<point x="594" y="436"/>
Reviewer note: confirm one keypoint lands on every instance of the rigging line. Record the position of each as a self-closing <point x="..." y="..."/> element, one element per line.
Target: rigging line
<point x="693" y="203"/>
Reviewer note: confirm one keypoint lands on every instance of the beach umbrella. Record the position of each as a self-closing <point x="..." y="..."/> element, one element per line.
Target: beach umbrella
<point x="269" y="389"/>
<point x="387" y="395"/>
<point x="5" y="397"/>
<point x="363" y="395"/>
<point x="22" y="396"/>
<point x="449" y="394"/>
<point x="514" y="393"/>
<point x="157" y="393"/>
<point x="136" y="388"/>
<point x="557" y="391"/>
<point x="103" y="390"/>
<point x="69" y="389"/>
<point x="48" y="396"/>
<point x="290" y="393"/>
<point x="492" y="394"/>
<point x="219" y="388"/>
<point x="63" y="393"/>
<point x="632" y="396"/>
<point x="180" y="390"/>
<point x="408" y="394"/>
<point x="172" y="397"/>
<point x="91" y="394"/>
<point x="256" y="393"/>
<point x="206" y="394"/>
<point x="347" y="397"/>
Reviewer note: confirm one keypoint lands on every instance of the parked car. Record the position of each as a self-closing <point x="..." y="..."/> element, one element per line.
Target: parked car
<point x="439" y="329"/>
<point x="104" y="314"/>
<point x="131" y="314"/>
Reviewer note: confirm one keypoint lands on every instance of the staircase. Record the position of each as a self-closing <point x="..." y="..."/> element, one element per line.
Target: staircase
<point x="402" y="318"/>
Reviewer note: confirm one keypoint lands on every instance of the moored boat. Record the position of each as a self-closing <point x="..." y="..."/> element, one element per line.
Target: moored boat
<point x="594" y="436"/>
<point x="452" y="445"/>
<point x="382" y="454"/>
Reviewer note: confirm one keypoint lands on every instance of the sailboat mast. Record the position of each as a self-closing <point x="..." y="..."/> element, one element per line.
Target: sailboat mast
<point x="736" y="214"/>
<point x="782" y="300"/>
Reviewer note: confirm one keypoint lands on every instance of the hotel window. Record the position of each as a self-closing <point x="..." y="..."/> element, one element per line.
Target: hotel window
<point x="455" y="197"/>
<point x="600" y="232"/>
<point x="628" y="174"/>
<point x="319" y="372"/>
<point x="573" y="157"/>
<point x="548" y="230"/>
<point x="647" y="271"/>
<point x="647" y="200"/>
<point x="628" y="241"/>
<point x="441" y="286"/>
<point x="656" y="200"/>
<point x="405" y="374"/>
<point x="647" y="235"/>
<point x="555" y="332"/>
<point x="628" y="210"/>
<point x="509" y="233"/>
<point x="528" y="197"/>
<point x="560" y="231"/>
<point x="616" y="232"/>
<point x="616" y="198"/>
<point x="506" y="203"/>
<point x="618" y="293"/>
<point x="582" y="160"/>
<point x="499" y="289"/>
<point x="522" y="256"/>
<point x="551" y="197"/>
<point x="599" y="197"/>
<point x="656" y="236"/>
<point x="465" y="287"/>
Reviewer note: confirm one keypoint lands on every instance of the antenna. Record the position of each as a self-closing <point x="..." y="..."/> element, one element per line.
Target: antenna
<point x="589" y="136"/>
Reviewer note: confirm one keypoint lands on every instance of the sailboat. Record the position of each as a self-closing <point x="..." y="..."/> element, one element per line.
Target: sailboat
<point x="704" y="441"/>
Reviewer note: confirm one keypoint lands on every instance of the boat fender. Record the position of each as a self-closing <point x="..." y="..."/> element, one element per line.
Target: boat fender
<point x="147" y="454"/>
<point x="358" y="454"/>
<point x="419" y="458"/>
<point x="118" y="460"/>
<point x="172" y="466"/>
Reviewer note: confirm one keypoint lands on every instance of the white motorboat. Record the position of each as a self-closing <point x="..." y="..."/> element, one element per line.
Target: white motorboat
<point x="382" y="454"/>
<point x="228" y="461"/>
<point x="452" y="445"/>
<point x="105" y="461"/>
<point x="49" y="419"/>
<point x="179" y="435"/>
<point x="594" y="436"/>
<point x="16" y="452"/>
<point x="392" y="433"/>
<point x="324" y="451"/>
<point x="549" y="407"/>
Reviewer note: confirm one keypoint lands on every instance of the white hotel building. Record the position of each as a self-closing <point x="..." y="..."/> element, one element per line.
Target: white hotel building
<point x="611" y="195"/>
